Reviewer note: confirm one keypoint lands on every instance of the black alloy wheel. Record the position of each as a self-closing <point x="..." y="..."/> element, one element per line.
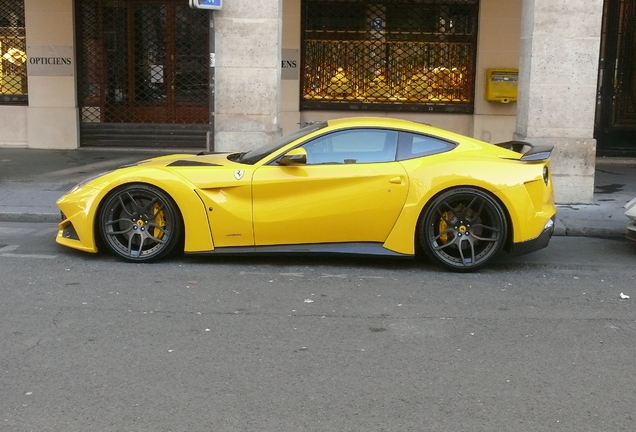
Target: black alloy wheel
<point x="140" y="223"/>
<point x="462" y="229"/>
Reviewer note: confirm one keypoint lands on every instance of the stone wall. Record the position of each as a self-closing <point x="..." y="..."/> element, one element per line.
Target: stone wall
<point x="52" y="114"/>
<point x="557" y="89"/>
<point x="248" y="56"/>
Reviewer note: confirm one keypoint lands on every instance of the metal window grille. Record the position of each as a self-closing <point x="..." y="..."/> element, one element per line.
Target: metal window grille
<point x="13" y="58"/>
<point x="625" y="110"/>
<point x="393" y="55"/>
<point x="142" y="62"/>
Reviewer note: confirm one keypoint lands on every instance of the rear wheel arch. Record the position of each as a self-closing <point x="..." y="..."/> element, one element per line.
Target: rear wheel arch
<point x="435" y="199"/>
<point x="495" y="197"/>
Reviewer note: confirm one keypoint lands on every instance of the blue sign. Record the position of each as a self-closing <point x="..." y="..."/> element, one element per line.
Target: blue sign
<point x="206" y="4"/>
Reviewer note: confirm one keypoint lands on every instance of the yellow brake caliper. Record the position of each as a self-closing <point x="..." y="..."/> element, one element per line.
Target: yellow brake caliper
<point x="442" y="227"/>
<point x="160" y="219"/>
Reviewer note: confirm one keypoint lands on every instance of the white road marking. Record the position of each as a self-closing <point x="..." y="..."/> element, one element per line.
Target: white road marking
<point x="7" y="252"/>
<point x="46" y="232"/>
<point x="7" y="231"/>
<point x="12" y="255"/>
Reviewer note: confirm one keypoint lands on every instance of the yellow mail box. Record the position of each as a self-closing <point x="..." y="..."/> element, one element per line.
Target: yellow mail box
<point x="501" y="85"/>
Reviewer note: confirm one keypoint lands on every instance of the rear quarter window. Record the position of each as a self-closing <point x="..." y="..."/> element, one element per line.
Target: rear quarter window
<point x="415" y="145"/>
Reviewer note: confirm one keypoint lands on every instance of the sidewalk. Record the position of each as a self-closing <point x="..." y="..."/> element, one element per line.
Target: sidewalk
<point x="32" y="180"/>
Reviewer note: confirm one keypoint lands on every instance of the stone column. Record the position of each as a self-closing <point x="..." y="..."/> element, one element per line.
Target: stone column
<point x="247" y="84"/>
<point x="557" y="89"/>
<point x="52" y="114"/>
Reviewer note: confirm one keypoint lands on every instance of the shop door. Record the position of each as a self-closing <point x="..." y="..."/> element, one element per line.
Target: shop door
<point x="143" y="61"/>
<point x="166" y="85"/>
<point x="615" y="128"/>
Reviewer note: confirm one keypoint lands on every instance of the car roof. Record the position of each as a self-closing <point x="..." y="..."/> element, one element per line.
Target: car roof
<point x="373" y="121"/>
<point x="468" y="143"/>
<point x="395" y="123"/>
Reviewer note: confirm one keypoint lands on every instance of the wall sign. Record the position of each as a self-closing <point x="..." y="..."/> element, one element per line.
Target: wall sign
<point x="50" y="60"/>
<point x="206" y="4"/>
<point x="290" y="65"/>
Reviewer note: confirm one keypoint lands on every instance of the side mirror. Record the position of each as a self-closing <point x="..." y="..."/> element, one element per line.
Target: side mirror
<point x="297" y="156"/>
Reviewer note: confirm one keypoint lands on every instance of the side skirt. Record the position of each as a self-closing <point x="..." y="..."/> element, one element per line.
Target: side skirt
<point x="326" y="248"/>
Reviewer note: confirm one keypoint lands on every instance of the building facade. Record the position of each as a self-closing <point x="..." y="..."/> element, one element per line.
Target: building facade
<point x="158" y="74"/>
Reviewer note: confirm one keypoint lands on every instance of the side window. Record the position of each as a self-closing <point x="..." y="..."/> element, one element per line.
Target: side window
<point x="352" y="146"/>
<point x="415" y="145"/>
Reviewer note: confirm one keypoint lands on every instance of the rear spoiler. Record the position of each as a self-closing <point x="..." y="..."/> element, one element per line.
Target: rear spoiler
<point x="530" y="152"/>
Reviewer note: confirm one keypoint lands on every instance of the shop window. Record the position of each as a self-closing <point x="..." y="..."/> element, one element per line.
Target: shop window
<point x="392" y="55"/>
<point x="142" y="62"/>
<point x="13" y="75"/>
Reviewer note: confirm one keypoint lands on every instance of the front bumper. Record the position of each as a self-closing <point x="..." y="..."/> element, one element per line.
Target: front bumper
<point x="75" y="230"/>
<point x="536" y="243"/>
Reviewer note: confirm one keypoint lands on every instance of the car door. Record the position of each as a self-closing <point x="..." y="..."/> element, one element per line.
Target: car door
<point x="351" y="189"/>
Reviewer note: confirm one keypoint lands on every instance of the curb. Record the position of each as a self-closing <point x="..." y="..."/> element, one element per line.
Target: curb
<point x="30" y="217"/>
<point x="590" y="232"/>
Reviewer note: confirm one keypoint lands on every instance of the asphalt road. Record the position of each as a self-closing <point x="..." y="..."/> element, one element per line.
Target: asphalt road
<point x="536" y="343"/>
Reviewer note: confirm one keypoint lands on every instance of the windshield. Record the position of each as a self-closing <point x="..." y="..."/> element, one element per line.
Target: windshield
<point x="253" y="156"/>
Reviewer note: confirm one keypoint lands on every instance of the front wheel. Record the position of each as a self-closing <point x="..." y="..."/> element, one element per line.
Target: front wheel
<point x="139" y="223"/>
<point x="462" y="229"/>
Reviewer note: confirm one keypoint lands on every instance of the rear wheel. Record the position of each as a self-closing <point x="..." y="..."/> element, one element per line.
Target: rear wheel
<point x="140" y="223"/>
<point x="462" y="229"/>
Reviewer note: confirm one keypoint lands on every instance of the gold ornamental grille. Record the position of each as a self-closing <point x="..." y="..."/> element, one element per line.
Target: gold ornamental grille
<point x="13" y="58"/>
<point x="416" y="55"/>
<point x="143" y="62"/>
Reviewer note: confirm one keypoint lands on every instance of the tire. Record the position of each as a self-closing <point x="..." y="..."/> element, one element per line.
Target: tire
<point x="463" y="229"/>
<point x="140" y="223"/>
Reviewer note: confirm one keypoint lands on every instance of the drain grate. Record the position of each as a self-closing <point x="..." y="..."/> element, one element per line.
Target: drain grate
<point x="64" y="187"/>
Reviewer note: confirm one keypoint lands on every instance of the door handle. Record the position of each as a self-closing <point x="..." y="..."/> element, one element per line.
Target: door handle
<point x="396" y="180"/>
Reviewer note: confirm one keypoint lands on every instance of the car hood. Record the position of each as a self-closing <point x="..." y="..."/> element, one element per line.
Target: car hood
<point x="189" y="160"/>
<point x="204" y="171"/>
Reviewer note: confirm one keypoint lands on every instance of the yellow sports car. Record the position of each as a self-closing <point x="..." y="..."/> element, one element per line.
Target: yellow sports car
<point x="360" y="185"/>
